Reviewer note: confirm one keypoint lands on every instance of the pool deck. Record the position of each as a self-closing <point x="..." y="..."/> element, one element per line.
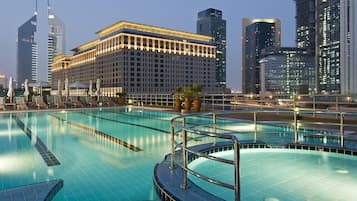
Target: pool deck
<point x="44" y="191"/>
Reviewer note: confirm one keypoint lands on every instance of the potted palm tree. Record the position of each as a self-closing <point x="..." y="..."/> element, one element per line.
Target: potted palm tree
<point x="121" y="97"/>
<point x="196" y="90"/>
<point x="187" y="93"/>
<point x="178" y="101"/>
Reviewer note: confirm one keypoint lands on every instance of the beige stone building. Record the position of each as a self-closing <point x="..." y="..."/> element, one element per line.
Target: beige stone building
<point x="135" y="58"/>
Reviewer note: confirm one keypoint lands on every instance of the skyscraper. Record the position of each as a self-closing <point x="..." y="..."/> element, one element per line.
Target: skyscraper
<point x="211" y="23"/>
<point x="288" y="71"/>
<point x="258" y="34"/>
<point x="335" y="47"/>
<point x="56" y="39"/>
<point x="27" y="54"/>
<point x="305" y="25"/>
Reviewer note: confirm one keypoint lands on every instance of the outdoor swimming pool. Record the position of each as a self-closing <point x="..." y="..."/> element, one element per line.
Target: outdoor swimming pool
<point x="92" y="166"/>
<point x="101" y="154"/>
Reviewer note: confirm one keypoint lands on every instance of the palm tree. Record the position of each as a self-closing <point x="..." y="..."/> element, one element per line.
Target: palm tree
<point x="187" y="93"/>
<point x="196" y="90"/>
<point x="121" y="98"/>
<point x="178" y="101"/>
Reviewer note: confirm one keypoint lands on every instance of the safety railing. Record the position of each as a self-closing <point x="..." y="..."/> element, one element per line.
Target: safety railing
<point x="183" y="132"/>
<point x="185" y="150"/>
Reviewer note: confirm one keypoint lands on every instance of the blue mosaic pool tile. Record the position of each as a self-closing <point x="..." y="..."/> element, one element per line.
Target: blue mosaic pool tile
<point x="44" y="191"/>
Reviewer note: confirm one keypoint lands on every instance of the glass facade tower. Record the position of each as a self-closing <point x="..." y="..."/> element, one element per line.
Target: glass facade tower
<point x="258" y="34"/>
<point x="288" y="71"/>
<point x="211" y="23"/>
<point x="335" y="47"/>
<point x="305" y="25"/>
<point x="55" y="41"/>
<point x="27" y="51"/>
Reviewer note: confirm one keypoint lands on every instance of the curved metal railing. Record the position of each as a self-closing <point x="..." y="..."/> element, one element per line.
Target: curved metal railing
<point x="185" y="150"/>
<point x="185" y="130"/>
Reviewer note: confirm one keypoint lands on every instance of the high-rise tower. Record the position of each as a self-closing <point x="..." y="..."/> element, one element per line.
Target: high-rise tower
<point x="27" y="51"/>
<point x="305" y="25"/>
<point x="335" y="47"/>
<point x="258" y="34"/>
<point x="56" y="39"/>
<point x="211" y="23"/>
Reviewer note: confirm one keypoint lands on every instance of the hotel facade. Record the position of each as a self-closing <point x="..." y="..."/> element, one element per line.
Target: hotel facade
<point x="135" y="58"/>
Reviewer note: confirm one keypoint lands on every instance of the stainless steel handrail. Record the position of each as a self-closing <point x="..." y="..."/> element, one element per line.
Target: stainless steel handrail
<point x="211" y="180"/>
<point x="185" y="150"/>
<point x="184" y="129"/>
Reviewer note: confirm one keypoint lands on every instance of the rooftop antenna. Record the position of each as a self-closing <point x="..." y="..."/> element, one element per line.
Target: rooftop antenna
<point x="50" y="14"/>
<point x="36" y="8"/>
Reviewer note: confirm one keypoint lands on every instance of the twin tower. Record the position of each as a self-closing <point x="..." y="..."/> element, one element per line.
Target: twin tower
<point x="27" y="48"/>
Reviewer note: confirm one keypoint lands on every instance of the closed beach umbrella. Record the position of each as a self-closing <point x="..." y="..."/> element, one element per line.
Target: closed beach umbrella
<point x="66" y="87"/>
<point x="59" y="87"/>
<point x="90" y="88"/>
<point x="97" y="93"/>
<point x="26" y="92"/>
<point x="10" y="92"/>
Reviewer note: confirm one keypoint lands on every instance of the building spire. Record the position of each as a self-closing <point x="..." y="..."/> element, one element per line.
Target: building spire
<point x="49" y="10"/>
<point x="36" y="8"/>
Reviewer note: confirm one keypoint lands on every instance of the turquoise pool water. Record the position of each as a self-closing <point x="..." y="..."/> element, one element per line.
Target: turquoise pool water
<point x="103" y="154"/>
<point x="284" y="175"/>
<point x="92" y="167"/>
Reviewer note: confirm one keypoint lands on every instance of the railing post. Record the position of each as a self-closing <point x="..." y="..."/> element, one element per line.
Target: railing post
<point x="342" y="130"/>
<point x="223" y="102"/>
<point x="172" y="164"/>
<point x="295" y="128"/>
<point x="214" y="121"/>
<point x="184" y="154"/>
<point x="255" y="127"/>
<point x="212" y="101"/>
<point x="313" y="105"/>
<point x="236" y="171"/>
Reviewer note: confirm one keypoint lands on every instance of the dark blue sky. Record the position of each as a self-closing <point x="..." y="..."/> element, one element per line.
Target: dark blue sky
<point x="83" y="18"/>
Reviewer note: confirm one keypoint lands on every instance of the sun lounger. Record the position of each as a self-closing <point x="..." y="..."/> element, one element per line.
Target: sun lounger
<point x="2" y="103"/>
<point x="21" y="103"/>
<point x="40" y="104"/>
